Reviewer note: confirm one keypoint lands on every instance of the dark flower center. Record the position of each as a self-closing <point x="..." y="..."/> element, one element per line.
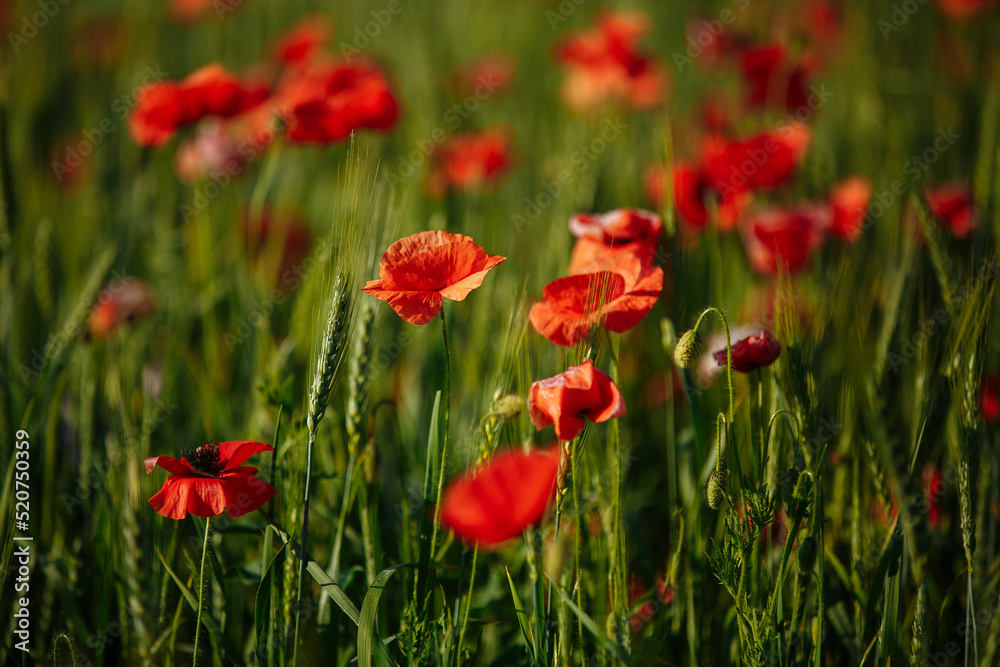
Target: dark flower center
<point x="204" y="459"/>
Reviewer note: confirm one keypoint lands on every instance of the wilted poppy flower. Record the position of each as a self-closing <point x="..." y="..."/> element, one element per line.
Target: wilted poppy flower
<point x="753" y="352"/>
<point x="616" y="299"/>
<point x="470" y="161"/>
<point x="419" y="272"/>
<point x="209" y="479"/>
<point x="501" y="499"/>
<point x="605" y="64"/>
<point x="167" y="106"/>
<point x="989" y="398"/>
<point x="118" y="303"/>
<point x="772" y="78"/>
<point x="326" y="102"/>
<point x="849" y="201"/>
<point x="570" y="398"/>
<point x="302" y="42"/>
<point x="602" y="237"/>
<point x="785" y="237"/>
<point x="488" y="77"/>
<point x="953" y="208"/>
<point x="765" y="160"/>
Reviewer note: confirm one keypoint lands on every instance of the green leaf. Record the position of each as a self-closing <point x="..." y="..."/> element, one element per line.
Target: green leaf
<point x="522" y="616"/>
<point x="206" y="619"/>
<point x="262" y="606"/>
<point x="890" y="607"/>
<point x="589" y="623"/>
<point x="367" y="635"/>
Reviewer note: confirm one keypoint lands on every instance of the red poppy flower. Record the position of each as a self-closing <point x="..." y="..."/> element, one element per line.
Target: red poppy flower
<point x="989" y="397"/>
<point x="603" y="237"/>
<point x="771" y="77"/>
<point x="690" y="187"/>
<point x="963" y="10"/>
<point x="952" y="206"/>
<point x="165" y="107"/>
<point x="570" y="398"/>
<point x="849" y="200"/>
<point x="302" y="42"/>
<point x="418" y="272"/>
<point x="501" y="499"/>
<point x="326" y="102"/>
<point x="488" y="77"/>
<point x="210" y="479"/>
<point x="186" y="12"/>
<point x="785" y="237"/>
<point x="766" y="160"/>
<point x="709" y="42"/>
<point x="752" y="352"/>
<point x="617" y="299"/>
<point x="605" y="64"/>
<point x="469" y="161"/>
<point x="118" y="303"/>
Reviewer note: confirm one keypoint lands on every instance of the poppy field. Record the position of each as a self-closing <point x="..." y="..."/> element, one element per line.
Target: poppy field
<point x="536" y="332"/>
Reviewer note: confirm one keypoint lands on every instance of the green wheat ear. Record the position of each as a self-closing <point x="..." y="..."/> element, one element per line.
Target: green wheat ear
<point x="331" y="352"/>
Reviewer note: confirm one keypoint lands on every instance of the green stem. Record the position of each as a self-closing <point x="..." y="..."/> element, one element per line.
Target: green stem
<point x="444" y="435"/>
<point x="729" y="355"/>
<point x="468" y="606"/>
<point x="201" y="587"/>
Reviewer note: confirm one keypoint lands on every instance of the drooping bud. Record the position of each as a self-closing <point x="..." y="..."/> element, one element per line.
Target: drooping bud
<point x="788" y="481"/>
<point x="802" y="494"/>
<point x="715" y="491"/>
<point x="688" y="349"/>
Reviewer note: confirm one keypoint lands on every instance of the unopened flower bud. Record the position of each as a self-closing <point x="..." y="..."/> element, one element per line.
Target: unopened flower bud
<point x="715" y="492"/>
<point x="788" y="482"/>
<point x="687" y="349"/>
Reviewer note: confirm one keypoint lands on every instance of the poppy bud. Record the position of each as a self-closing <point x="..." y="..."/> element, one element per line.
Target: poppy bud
<point x="715" y="492"/>
<point x="803" y="490"/>
<point x="807" y="554"/>
<point x="687" y="349"/>
<point x="789" y="479"/>
<point x="508" y="408"/>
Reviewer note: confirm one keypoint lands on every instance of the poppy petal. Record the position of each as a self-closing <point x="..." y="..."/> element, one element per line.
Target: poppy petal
<point x="414" y="307"/>
<point x="200" y="496"/>
<point x="243" y="492"/>
<point x="235" y="453"/>
<point x="168" y="463"/>
<point x="503" y="498"/>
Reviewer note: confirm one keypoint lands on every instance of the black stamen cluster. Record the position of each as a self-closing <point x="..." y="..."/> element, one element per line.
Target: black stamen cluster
<point x="204" y="459"/>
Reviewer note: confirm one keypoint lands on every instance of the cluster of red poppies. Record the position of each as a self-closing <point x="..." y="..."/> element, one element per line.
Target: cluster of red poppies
<point x="318" y="98"/>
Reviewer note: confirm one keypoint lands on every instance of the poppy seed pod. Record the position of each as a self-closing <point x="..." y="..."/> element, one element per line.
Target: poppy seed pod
<point x="715" y="491"/>
<point x="802" y="493"/>
<point x="687" y="349"/>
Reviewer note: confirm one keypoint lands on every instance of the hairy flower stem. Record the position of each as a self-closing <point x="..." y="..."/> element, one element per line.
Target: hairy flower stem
<point x="442" y="461"/>
<point x="729" y="354"/>
<point x="201" y="587"/>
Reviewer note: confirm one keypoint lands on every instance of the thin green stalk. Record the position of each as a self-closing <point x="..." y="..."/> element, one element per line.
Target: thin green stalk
<point x="468" y="606"/>
<point x="729" y="355"/>
<point x="444" y="435"/>
<point x="201" y="587"/>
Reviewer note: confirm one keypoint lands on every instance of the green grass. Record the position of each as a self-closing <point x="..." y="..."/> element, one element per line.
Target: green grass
<point x="865" y="396"/>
